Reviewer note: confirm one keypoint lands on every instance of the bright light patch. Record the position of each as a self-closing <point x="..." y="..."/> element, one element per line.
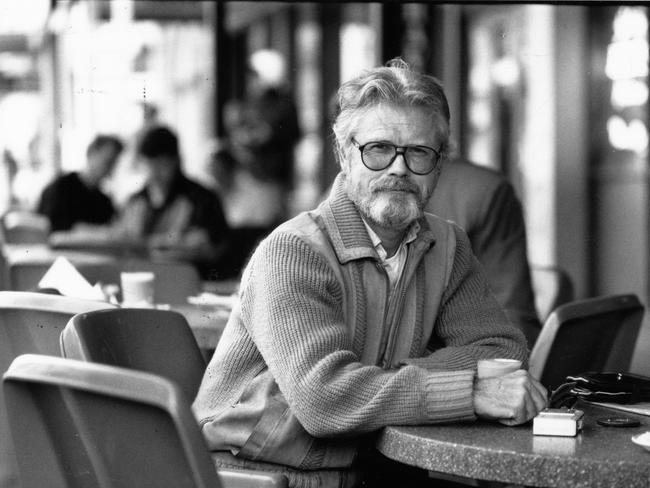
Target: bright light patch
<point x="505" y="72"/>
<point x="480" y="115"/>
<point x="624" y="136"/>
<point x="627" y="59"/>
<point x="357" y="49"/>
<point x="630" y="22"/>
<point x="269" y="66"/>
<point x="23" y="16"/>
<point x="629" y="93"/>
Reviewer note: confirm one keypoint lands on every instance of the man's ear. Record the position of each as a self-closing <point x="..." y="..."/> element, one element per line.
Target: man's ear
<point x="339" y="154"/>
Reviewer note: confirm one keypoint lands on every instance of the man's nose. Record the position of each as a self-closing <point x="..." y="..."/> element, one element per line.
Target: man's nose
<point x="398" y="166"/>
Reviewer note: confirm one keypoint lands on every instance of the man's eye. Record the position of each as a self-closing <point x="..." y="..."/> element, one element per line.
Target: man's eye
<point x="418" y="152"/>
<point x="379" y="147"/>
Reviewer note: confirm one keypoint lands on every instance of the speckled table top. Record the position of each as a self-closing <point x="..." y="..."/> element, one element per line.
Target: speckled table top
<point x="598" y="457"/>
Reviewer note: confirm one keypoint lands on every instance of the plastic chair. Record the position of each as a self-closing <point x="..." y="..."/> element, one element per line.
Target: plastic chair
<point x="83" y="425"/>
<point x="175" y="281"/>
<point x="155" y="341"/>
<point x="552" y="287"/>
<point x="30" y="323"/>
<point x="595" y="334"/>
<point x="24" y="227"/>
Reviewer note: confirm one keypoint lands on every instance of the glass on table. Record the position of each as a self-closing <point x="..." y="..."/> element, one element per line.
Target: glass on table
<point x="137" y="288"/>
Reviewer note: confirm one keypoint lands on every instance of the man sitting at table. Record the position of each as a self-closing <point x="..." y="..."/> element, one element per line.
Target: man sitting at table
<point x="77" y="197"/>
<point x="365" y="312"/>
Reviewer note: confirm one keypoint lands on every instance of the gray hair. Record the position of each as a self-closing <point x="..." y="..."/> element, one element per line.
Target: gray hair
<point x="395" y="83"/>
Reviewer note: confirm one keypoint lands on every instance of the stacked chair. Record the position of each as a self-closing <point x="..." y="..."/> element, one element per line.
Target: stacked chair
<point x="30" y="323"/>
<point x="86" y="425"/>
<point x="159" y="342"/>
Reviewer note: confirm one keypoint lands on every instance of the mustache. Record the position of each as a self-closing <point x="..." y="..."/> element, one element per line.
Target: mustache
<point x="394" y="184"/>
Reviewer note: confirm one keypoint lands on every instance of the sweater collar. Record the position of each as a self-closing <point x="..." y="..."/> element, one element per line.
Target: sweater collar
<point x="347" y="231"/>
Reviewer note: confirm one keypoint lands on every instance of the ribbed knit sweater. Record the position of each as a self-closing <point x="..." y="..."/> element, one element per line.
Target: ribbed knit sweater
<point x="317" y="353"/>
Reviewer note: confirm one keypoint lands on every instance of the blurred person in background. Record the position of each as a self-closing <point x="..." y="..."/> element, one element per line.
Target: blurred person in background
<point x="257" y="156"/>
<point x="484" y="204"/>
<point x="77" y="197"/>
<point x="170" y="218"/>
<point x="177" y="217"/>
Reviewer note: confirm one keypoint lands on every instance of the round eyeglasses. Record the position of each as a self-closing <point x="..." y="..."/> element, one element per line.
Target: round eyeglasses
<point x="379" y="155"/>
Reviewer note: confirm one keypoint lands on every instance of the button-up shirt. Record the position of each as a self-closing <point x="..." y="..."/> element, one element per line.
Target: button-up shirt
<point x="393" y="265"/>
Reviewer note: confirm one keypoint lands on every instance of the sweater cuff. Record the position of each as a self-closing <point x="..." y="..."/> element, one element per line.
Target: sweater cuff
<point x="449" y="396"/>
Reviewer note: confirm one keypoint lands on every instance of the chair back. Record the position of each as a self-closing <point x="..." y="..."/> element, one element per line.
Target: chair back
<point x="552" y="287"/>
<point x="24" y="227"/>
<point x="155" y="341"/>
<point x="83" y="425"/>
<point x="30" y="323"/>
<point x="595" y="334"/>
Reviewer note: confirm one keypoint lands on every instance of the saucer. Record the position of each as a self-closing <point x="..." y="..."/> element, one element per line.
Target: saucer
<point x="642" y="440"/>
<point x="213" y="300"/>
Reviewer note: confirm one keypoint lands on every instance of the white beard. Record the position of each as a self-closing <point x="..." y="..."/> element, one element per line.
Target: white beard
<point x="389" y="209"/>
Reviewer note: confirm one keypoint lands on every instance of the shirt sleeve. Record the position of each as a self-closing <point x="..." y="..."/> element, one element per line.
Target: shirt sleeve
<point x="53" y="204"/>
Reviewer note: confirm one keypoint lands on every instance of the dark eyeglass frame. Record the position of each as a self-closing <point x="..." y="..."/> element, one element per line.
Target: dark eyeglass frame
<point x="398" y="150"/>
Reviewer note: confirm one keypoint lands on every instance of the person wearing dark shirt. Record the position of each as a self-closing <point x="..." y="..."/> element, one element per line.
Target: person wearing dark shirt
<point x="177" y="218"/>
<point x="75" y="197"/>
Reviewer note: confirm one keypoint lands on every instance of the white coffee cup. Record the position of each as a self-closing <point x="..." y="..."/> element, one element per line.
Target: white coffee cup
<point x="489" y="368"/>
<point x="137" y="288"/>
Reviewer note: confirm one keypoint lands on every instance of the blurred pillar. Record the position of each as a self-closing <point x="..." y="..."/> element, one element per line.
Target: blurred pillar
<point x="330" y="20"/>
<point x="392" y="31"/>
<point x="572" y="142"/>
<point x="223" y="53"/>
<point x="618" y="126"/>
<point x="449" y="63"/>
<point x="49" y="77"/>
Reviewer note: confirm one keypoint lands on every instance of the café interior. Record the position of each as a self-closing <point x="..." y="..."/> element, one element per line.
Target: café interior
<point x="552" y="96"/>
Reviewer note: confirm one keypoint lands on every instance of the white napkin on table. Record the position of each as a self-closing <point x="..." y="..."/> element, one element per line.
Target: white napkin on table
<point x="64" y="277"/>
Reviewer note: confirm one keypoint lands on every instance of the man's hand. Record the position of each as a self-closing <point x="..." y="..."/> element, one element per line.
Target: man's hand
<point x="512" y="399"/>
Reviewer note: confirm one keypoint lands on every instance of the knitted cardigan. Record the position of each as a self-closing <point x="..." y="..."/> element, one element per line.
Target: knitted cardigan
<point x="317" y="353"/>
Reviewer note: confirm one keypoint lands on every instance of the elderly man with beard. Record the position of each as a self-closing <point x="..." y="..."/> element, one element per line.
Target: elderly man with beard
<point x="364" y="312"/>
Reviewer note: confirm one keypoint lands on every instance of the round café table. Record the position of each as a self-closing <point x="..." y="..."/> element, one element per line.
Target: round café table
<point x="598" y="457"/>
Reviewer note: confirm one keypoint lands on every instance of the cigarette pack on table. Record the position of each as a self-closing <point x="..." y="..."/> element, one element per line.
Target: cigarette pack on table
<point x="558" y="421"/>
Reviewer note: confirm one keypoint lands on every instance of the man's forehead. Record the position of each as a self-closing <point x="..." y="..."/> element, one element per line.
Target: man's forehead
<point x="388" y="120"/>
<point x="388" y="112"/>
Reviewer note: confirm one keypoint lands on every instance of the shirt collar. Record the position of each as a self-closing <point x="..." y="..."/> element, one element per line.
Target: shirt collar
<point x="410" y="236"/>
